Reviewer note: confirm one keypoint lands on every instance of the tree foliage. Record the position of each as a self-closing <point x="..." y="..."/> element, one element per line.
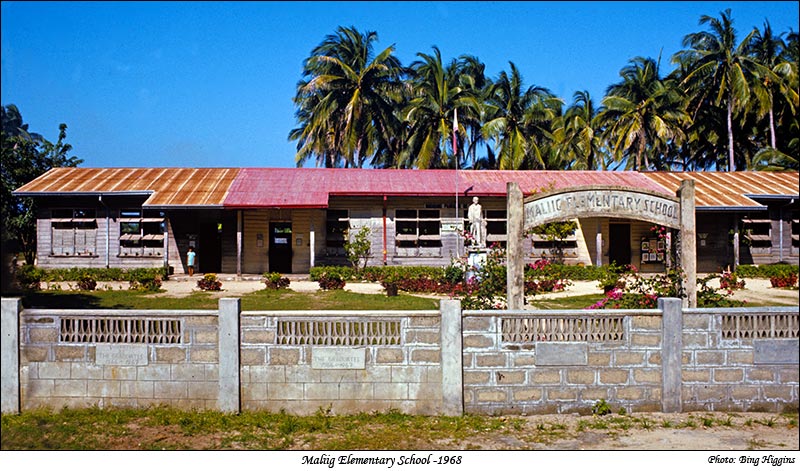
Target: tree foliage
<point x="729" y="104"/>
<point x="25" y="156"/>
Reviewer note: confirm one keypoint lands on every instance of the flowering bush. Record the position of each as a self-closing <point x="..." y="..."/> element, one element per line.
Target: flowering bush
<point x="729" y="281"/>
<point x="542" y="276"/>
<point x="274" y="280"/>
<point x="209" y="282"/>
<point x="487" y="289"/>
<point x="331" y="281"/>
<point x="710" y="297"/>
<point x="784" y="281"/>
<point x="638" y="292"/>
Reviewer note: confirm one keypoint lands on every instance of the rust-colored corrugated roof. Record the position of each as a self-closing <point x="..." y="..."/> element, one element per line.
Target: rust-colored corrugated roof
<point x="311" y="187"/>
<point x="167" y="187"/>
<point x="731" y="189"/>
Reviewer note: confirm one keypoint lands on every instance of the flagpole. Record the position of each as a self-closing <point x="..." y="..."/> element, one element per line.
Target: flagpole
<point x="455" y="156"/>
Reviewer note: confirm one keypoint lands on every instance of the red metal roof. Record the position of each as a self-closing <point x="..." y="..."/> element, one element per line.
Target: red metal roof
<point x="311" y="187"/>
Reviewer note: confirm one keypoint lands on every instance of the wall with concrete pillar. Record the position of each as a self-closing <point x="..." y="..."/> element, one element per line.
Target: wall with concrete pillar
<point x="440" y="362"/>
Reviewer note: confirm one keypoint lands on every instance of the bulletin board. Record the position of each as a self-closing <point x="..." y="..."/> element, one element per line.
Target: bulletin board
<point x="652" y="250"/>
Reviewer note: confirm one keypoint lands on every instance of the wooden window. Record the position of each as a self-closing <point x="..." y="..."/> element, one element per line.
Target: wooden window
<point x="73" y="232"/>
<point x="418" y="232"/>
<point x="141" y="233"/>
<point x="337" y="222"/>
<point x="795" y="231"/>
<point x="757" y="234"/>
<point x="496" y="227"/>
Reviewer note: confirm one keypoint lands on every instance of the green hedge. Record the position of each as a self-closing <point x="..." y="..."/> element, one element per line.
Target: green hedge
<point x="30" y="274"/>
<point x="765" y="271"/>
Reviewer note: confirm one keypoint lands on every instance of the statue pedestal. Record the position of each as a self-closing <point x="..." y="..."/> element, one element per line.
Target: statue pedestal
<point x="476" y="259"/>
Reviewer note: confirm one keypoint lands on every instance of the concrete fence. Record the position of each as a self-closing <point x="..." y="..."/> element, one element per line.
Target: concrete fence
<point x="445" y="361"/>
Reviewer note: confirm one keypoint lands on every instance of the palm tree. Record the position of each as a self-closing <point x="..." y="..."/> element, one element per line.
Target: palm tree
<point x="346" y="98"/>
<point x="717" y="65"/>
<point x="772" y="84"/>
<point x="578" y="143"/>
<point x="516" y="117"/>
<point x="642" y="115"/>
<point x="436" y="92"/>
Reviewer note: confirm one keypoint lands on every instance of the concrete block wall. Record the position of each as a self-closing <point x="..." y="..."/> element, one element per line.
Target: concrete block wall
<point x="561" y="377"/>
<point x="406" y="377"/>
<point x="756" y="375"/>
<point x="441" y="362"/>
<point x="55" y="374"/>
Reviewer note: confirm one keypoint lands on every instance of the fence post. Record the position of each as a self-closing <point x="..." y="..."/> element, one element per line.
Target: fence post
<point x="452" y="358"/>
<point x="230" y="310"/>
<point x="671" y="353"/>
<point x="11" y="308"/>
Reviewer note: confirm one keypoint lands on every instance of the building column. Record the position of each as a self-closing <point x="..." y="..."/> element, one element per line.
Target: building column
<point x="452" y="358"/>
<point x="599" y="244"/>
<point x="688" y="241"/>
<point x="229" y="399"/>
<point x="735" y="242"/>
<point x="671" y="353"/>
<point x="312" y="243"/>
<point x="515" y="257"/>
<point x="239" y="243"/>
<point x="9" y="353"/>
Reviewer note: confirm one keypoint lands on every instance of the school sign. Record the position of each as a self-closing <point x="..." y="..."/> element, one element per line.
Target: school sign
<point x="602" y="202"/>
<point x="599" y="201"/>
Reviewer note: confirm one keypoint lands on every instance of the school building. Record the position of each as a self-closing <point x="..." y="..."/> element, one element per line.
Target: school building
<point x="287" y="220"/>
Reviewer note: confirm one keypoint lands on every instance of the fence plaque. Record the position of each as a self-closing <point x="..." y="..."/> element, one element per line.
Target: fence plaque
<point x="121" y="355"/>
<point x="342" y="358"/>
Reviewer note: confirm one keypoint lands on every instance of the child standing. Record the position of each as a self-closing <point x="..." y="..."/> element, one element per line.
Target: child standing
<point x="190" y="256"/>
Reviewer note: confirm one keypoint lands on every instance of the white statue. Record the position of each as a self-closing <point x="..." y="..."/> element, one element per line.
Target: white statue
<point x="477" y="226"/>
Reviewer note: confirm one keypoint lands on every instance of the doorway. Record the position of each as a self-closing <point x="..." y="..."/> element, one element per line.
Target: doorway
<point x="280" y="247"/>
<point x="619" y="244"/>
<point x="209" y="250"/>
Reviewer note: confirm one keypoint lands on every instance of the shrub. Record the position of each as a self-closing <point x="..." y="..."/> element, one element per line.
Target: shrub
<point x="330" y="281"/>
<point x="729" y="281"/>
<point x="543" y="276"/>
<point x="786" y="281"/>
<point x="87" y="283"/>
<point x="637" y="292"/>
<point x="765" y="271"/>
<point x="275" y="281"/>
<point x="358" y="246"/>
<point x="487" y="289"/>
<point x="209" y="282"/>
<point x="145" y="279"/>
<point x="345" y="273"/>
<point x="29" y="277"/>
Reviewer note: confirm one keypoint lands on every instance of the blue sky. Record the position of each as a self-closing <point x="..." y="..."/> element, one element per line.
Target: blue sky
<point x="211" y="84"/>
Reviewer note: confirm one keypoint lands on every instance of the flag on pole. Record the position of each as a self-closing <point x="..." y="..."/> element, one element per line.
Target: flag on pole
<point x="455" y="130"/>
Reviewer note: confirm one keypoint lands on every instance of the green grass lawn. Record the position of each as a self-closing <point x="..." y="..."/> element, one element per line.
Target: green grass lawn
<point x="269" y="300"/>
<point x="263" y="300"/>
<point x="166" y="428"/>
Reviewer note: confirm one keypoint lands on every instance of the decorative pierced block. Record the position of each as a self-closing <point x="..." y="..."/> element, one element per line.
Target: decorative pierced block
<point x="115" y="330"/>
<point x="339" y="332"/>
<point x="759" y="326"/>
<point x="560" y="329"/>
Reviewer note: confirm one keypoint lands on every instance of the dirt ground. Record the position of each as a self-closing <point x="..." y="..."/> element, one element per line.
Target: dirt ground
<point x="738" y="436"/>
